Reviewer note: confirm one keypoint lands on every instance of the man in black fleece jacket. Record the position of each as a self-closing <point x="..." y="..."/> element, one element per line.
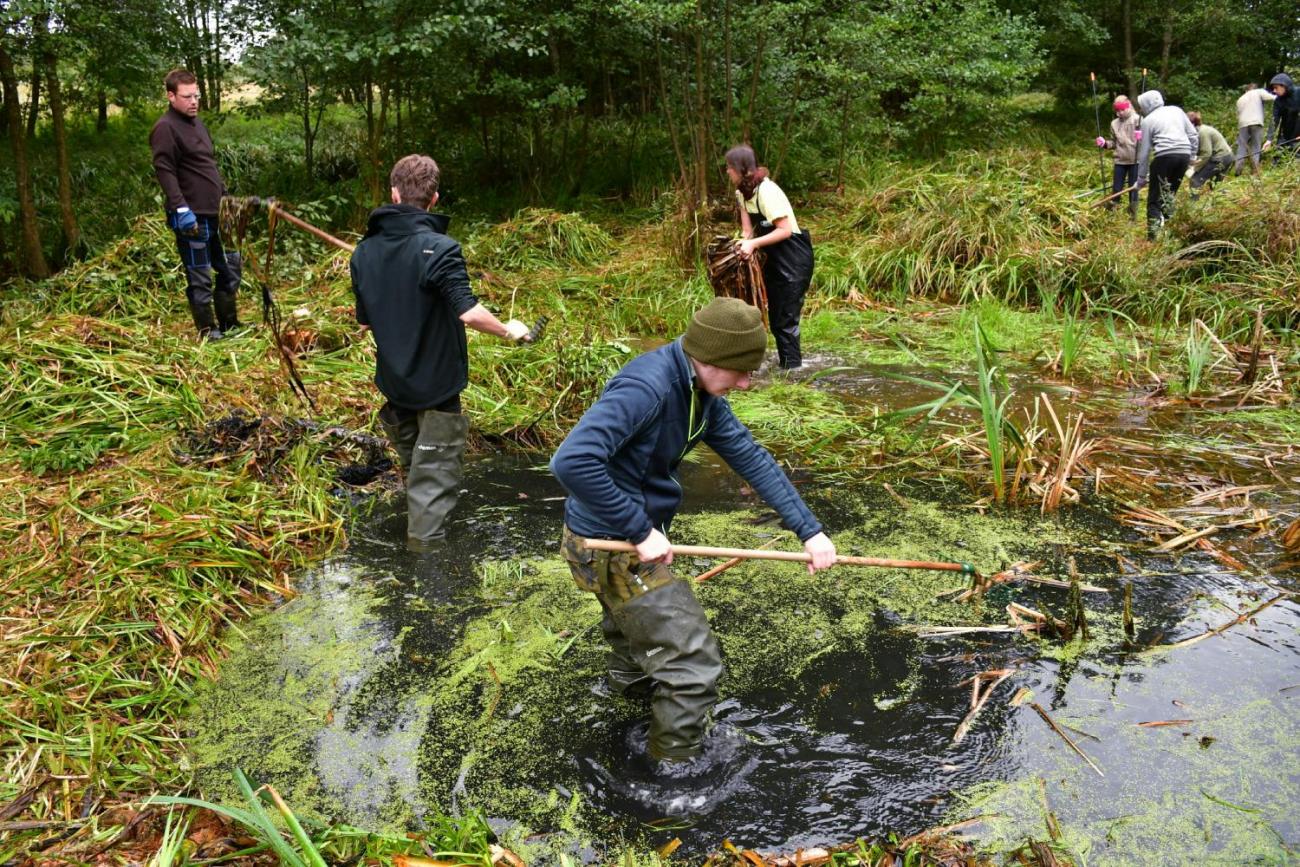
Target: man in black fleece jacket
<point x="186" y="166"/>
<point x="413" y="292"/>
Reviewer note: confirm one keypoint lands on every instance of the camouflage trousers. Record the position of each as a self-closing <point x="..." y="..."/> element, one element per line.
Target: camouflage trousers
<point x="660" y="643"/>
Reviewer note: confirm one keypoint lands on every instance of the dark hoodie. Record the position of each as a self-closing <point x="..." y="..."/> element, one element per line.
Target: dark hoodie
<point x="1286" y="108"/>
<point x="411" y="288"/>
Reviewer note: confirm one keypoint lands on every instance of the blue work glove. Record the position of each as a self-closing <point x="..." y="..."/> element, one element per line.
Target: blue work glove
<point x="183" y="220"/>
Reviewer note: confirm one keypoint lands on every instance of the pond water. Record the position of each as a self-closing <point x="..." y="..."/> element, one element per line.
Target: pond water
<point x="394" y="688"/>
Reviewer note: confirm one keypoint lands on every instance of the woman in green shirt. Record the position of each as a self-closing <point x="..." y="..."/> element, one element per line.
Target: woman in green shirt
<point x="768" y="221"/>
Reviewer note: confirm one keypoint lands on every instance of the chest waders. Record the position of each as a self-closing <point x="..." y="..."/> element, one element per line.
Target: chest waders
<point x="430" y="446"/>
<point x="660" y="643"/>
<point x="787" y="273"/>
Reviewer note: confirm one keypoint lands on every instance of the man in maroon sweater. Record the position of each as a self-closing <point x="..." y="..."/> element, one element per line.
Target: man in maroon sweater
<point x="186" y="166"/>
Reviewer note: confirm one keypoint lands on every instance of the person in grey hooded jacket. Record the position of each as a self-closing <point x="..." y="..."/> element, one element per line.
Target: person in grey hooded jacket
<point x="1286" y="111"/>
<point x="1169" y="141"/>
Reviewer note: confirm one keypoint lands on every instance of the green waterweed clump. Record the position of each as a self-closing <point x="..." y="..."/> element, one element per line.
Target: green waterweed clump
<point x="486" y="725"/>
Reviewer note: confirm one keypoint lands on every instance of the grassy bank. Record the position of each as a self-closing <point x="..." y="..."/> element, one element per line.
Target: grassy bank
<point x="142" y="520"/>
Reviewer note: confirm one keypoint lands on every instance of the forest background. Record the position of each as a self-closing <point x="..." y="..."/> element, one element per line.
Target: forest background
<point x="595" y="105"/>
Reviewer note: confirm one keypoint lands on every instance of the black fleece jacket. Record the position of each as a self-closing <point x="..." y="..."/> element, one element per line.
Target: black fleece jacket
<point x="411" y="288"/>
<point x="186" y="163"/>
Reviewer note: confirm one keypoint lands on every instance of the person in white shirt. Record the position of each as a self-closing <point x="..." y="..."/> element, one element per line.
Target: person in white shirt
<point x="1250" y="125"/>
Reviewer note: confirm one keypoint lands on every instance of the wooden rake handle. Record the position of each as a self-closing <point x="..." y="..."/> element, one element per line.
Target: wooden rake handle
<point x="1100" y="202"/>
<point x="789" y="556"/>
<point x="273" y="206"/>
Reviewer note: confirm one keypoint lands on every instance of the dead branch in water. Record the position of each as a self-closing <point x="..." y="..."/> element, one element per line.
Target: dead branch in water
<point x="1056" y="728"/>
<point x="1187" y="642"/>
<point x="980" y="697"/>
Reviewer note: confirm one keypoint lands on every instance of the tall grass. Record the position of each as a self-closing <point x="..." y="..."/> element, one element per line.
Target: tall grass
<point x="538" y="237"/>
<point x="1012" y="225"/>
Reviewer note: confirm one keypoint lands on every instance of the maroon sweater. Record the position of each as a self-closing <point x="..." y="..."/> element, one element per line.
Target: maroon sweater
<point x="186" y="164"/>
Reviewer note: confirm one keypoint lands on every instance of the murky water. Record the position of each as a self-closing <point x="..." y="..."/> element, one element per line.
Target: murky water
<point x="341" y="698"/>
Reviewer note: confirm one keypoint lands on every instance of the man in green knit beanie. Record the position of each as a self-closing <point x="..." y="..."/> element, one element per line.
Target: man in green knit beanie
<point x="619" y="465"/>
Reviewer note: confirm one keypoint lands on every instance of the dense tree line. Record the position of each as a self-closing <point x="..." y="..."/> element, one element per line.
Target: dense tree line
<point x="556" y="99"/>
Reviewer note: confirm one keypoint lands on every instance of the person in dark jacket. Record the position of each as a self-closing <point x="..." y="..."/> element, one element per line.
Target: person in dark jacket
<point x="186" y="166"/>
<point x="767" y="222"/>
<point x="619" y="466"/>
<point x="1286" y="111"/>
<point x="412" y="292"/>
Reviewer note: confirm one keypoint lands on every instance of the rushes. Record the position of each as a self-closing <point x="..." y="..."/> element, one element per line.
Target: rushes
<point x="1197" y="352"/>
<point x="1007" y="225"/>
<point x="538" y="237"/>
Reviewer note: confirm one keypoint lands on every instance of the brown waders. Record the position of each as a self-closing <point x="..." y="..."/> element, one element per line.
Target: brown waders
<point x="430" y="446"/>
<point x="659" y="643"/>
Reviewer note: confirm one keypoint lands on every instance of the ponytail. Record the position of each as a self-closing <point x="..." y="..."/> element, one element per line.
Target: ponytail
<point x="742" y="159"/>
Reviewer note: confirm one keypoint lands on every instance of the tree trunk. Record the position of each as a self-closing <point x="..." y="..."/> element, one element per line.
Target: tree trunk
<point x="788" y="128"/>
<point x="67" y="218"/>
<point x="666" y="98"/>
<point x="194" y="53"/>
<point x="726" y="58"/>
<point x="1166" y="45"/>
<point x="34" y="101"/>
<point x="33" y="257"/>
<point x="702" y="145"/>
<point x="846" y="102"/>
<point x="101" y="117"/>
<point x="308" y="139"/>
<point x="1128" y="49"/>
<point x="211" y="53"/>
<point x="753" y="88"/>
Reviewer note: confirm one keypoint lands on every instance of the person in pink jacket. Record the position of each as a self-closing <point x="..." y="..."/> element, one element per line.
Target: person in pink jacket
<point x="1125" y="132"/>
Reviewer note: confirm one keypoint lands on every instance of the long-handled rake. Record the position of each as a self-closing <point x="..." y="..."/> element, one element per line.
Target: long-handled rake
<point x="789" y="556"/>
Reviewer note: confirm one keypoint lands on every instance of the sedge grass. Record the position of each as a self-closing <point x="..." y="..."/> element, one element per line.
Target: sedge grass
<point x="1008" y="225"/>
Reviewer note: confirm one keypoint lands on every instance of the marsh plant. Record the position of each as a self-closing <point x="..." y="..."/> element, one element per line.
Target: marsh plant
<point x="1072" y="338"/>
<point x="1197" y="352"/>
<point x="1000" y="434"/>
<point x="991" y="398"/>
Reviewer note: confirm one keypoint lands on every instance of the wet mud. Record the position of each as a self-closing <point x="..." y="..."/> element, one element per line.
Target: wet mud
<point x="393" y="688"/>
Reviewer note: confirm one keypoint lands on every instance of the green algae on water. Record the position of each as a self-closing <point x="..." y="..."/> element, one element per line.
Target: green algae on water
<point x="285" y="712"/>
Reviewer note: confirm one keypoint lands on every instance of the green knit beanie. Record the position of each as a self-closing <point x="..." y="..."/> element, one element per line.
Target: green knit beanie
<point x="728" y="333"/>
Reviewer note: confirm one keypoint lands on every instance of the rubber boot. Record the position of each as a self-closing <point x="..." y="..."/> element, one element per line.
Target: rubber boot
<point x="227" y="314"/>
<point x="403" y="429"/>
<point x="433" y="482"/>
<point x="229" y="268"/>
<point x="204" y="321"/>
<point x="670" y="640"/>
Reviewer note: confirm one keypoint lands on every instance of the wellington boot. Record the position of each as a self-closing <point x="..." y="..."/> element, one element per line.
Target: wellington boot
<point x="204" y="321"/>
<point x="670" y="640"/>
<point x="227" y="314"/>
<point x="403" y="429"/>
<point x="624" y="677"/>
<point x="433" y="482"/>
